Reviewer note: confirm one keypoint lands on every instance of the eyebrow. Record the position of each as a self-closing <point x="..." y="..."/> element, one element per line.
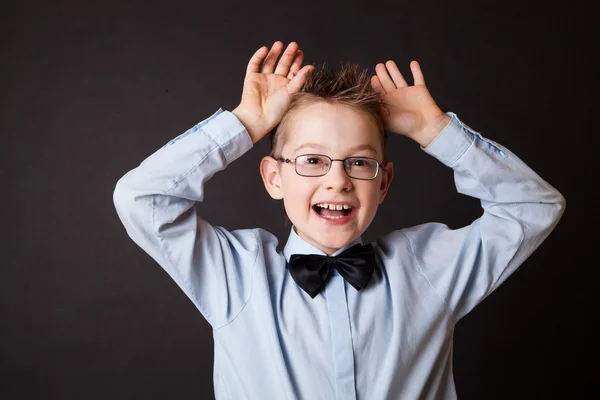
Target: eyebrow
<point x="320" y="146"/>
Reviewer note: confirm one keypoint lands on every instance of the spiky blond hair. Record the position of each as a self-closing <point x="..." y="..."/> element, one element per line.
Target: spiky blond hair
<point x="346" y="86"/>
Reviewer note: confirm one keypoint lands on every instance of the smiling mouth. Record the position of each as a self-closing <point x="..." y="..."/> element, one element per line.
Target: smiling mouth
<point x="332" y="214"/>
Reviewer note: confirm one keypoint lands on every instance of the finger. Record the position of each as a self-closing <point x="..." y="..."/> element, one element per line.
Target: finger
<point x="284" y="64"/>
<point x="395" y="73"/>
<point x="376" y="84"/>
<point x="384" y="78"/>
<point x="272" y="57"/>
<point x="297" y="64"/>
<point x="255" y="60"/>
<point x="417" y="73"/>
<point x="298" y="81"/>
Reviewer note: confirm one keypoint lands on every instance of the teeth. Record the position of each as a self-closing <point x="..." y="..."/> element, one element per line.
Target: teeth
<point x="334" y="206"/>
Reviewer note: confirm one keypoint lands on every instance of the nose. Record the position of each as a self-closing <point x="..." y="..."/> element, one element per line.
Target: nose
<point x="336" y="178"/>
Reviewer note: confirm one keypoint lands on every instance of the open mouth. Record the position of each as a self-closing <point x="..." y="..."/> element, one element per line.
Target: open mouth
<point x="333" y="211"/>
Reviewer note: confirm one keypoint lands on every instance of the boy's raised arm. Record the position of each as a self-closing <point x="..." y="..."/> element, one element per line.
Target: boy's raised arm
<point x="156" y="200"/>
<point x="520" y="209"/>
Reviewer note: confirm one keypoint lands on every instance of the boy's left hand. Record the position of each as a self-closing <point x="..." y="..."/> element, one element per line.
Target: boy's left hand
<point x="411" y="111"/>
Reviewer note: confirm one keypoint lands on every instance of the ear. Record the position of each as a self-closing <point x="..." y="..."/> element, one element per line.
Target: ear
<point x="269" y="170"/>
<point x="387" y="175"/>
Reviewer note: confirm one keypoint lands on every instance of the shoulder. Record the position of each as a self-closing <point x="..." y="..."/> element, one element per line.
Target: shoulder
<point x="410" y="237"/>
<point x="255" y="240"/>
<point x="266" y="238"/>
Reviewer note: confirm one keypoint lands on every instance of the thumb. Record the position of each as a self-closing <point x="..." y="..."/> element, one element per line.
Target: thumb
<point x="298" y="81"/>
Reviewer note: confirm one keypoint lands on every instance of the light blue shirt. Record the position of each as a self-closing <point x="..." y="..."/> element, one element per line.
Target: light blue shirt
<point x="391" y="340"/>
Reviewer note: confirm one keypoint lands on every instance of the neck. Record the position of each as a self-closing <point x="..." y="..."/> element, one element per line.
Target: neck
<point x="327" y="250"/>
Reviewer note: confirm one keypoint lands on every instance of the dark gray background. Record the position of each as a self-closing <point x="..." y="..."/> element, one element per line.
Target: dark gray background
<point x="91" y="89"/>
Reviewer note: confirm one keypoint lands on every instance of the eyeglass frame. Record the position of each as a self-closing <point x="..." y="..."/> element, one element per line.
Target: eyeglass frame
<point x="380" y="166"/>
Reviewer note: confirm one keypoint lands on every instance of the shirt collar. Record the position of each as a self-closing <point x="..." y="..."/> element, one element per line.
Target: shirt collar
<point x="296" y="245"/>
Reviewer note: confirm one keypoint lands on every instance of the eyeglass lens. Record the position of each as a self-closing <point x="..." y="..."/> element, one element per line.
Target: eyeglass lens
<point x="356" y="167"/>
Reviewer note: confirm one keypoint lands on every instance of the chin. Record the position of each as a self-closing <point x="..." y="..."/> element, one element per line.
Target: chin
<point x="337" y="241"/>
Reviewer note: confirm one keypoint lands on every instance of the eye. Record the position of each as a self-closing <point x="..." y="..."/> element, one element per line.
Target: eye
<point x="313" y="160"/>
<point x="360" y="162"/>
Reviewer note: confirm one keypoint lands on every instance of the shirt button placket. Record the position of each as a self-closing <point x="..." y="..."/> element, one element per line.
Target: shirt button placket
<point x="341" y="337"/>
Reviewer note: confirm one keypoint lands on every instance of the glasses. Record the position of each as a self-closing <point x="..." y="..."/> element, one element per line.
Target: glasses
<point x="318" y="165"/>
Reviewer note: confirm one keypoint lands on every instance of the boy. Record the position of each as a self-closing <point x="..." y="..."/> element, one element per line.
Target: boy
<point x="377" y="321"/>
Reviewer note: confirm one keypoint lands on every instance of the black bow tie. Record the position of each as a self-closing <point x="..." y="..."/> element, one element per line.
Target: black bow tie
<point x="312" y="271"/>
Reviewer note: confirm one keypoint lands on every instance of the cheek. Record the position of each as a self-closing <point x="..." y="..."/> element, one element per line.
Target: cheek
<point x="297" y="194"/>
<point x="370" y="200"/>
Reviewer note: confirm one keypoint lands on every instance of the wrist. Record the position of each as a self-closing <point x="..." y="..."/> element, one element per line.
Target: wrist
<point x="431" y="129"/>
<point x="251" y="127"/>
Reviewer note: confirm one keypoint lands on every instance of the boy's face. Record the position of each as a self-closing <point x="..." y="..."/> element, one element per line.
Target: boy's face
<point x="338" y="132"/>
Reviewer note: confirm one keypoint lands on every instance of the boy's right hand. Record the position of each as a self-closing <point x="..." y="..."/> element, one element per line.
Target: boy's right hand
<point x="267" y="94"/>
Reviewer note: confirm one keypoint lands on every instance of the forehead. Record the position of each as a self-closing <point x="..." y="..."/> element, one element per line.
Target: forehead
<point x="333" y="130"/>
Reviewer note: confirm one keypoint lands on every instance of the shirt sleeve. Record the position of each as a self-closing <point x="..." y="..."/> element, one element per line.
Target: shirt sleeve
<point x="520" y="210"/>
<point x="156" y="204"/>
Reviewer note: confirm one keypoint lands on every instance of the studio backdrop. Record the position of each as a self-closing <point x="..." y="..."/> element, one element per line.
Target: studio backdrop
<point x="89" y="90"/>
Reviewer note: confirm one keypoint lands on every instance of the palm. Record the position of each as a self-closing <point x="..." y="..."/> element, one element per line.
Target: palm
<point x="409" y="109"/>
<point x="404" y="112"/>
<point x="267" y="94"/>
